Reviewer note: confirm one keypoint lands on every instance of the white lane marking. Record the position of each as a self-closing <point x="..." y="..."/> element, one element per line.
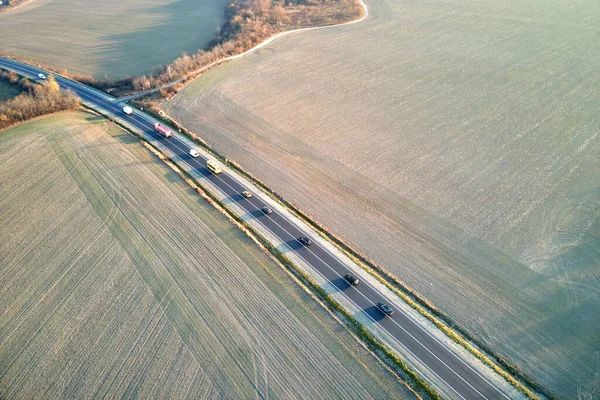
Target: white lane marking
<point x="362" y="294"/>
<point x="177" y="140"/>
<point x="174" y="142"/>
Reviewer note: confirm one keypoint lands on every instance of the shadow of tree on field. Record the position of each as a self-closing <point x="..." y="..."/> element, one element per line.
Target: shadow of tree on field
<point x="182" y="26"/>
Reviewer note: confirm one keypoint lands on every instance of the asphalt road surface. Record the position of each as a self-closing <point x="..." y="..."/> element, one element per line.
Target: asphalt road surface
<point x="443" y="365"/>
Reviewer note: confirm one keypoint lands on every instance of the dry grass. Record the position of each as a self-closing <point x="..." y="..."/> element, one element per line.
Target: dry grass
<point x="119" y="281"/>
<point x="35" y="100"/>
<point x="454" y="143"/>
<point x="118" y="38"/>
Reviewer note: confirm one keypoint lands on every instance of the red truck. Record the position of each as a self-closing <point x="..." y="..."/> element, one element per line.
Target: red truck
<point x="163" y="130"/>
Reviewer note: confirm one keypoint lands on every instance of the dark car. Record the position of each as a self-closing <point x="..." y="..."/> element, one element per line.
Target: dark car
<point x="304" y="240"/>
<point x="266" y="210"/>
<point x="385" y="309"/>
<point x="351" y="279"/>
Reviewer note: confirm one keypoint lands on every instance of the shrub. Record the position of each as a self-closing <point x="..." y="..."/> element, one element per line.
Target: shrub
<point x="35" y="100"/>
<point x="248" y="23"/>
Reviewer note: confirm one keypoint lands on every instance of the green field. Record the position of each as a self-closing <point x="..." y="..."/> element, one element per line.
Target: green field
<point x="8" y="91"/>
<point x="119" y="281"/>
<point x="454" y="143"/>
<point x="115" y="38"/>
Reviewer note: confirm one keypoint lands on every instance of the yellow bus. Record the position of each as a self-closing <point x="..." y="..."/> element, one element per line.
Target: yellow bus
<point x="213" y="166"/>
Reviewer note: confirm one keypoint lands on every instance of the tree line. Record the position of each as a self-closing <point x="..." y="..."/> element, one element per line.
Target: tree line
<point x="248" y="23"/>
<point x="35" y="100"/>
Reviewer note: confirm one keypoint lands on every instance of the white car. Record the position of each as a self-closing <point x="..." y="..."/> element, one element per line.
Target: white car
<point x="194" y="153"/>
<point x="41" y="76"/>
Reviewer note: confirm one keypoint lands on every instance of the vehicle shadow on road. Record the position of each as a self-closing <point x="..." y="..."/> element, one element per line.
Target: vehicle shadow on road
<point x="375" y="313"/>
<point x="187" y="158"/>
<point x="254" y="214"/>
<point x="290" y="245"/>
<point x="336" y="285"/>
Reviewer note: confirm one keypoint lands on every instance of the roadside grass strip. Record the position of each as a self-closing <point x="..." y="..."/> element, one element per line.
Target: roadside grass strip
<point x="298" y="264"/>
<point x="497" y="363"/>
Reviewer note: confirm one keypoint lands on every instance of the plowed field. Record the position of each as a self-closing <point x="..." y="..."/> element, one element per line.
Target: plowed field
<point x="119" y="281"/>
<point x="456" y="143"/>
<point x="114" y="37"/>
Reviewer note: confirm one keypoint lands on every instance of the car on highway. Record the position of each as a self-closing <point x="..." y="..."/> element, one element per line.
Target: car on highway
<point x="385" y="309"/>
<point x="194" y="153"/>
<point x="246" y="194"/>
<point x="266" y="210"/>
<point x="351" y="279"/>
<point x="444" y="362"/>
<point x="304" y="240"/>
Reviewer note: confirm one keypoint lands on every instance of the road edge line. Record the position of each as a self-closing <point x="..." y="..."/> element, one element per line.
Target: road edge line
<point x="393" y="362"/>
<point x="497" y="363"/>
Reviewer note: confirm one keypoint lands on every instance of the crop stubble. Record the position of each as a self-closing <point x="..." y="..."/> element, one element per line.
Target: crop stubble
<point x="115" y="38"/>
<point x="456" y="144"/>
<point x="118" y="281"/>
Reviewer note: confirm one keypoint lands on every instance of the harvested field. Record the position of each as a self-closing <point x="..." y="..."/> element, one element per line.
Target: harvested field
<point x="116" y="38"/>
<point x="119" y="281"/>
<point x="454" y="143"/>
<point x="7" y="90"/>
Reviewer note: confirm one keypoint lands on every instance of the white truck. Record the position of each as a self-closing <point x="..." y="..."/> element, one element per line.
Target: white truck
<point x="128" y="110"/>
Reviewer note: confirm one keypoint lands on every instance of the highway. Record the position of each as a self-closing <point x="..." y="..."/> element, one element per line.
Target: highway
<point x="442" y="364"/>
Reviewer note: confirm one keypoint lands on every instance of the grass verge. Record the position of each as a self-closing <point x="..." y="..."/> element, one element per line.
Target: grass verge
<point x="512" y="373"/>
<point x="392" y="361"/>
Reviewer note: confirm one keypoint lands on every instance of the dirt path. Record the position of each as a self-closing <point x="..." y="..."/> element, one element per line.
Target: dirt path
<point x="253" y="49"/>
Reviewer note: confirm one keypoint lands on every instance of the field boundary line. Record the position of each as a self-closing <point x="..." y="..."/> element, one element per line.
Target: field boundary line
<point x="327" y="236"/>
<point x="390" y="360"/>
<point x="245" y="53"/>
<point x="521" y="382"/>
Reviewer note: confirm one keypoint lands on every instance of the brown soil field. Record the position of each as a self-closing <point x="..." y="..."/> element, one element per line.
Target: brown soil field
<point x="119" y="281"/>
<point x="115" y="38"/>
<point x="454" y="143"/>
